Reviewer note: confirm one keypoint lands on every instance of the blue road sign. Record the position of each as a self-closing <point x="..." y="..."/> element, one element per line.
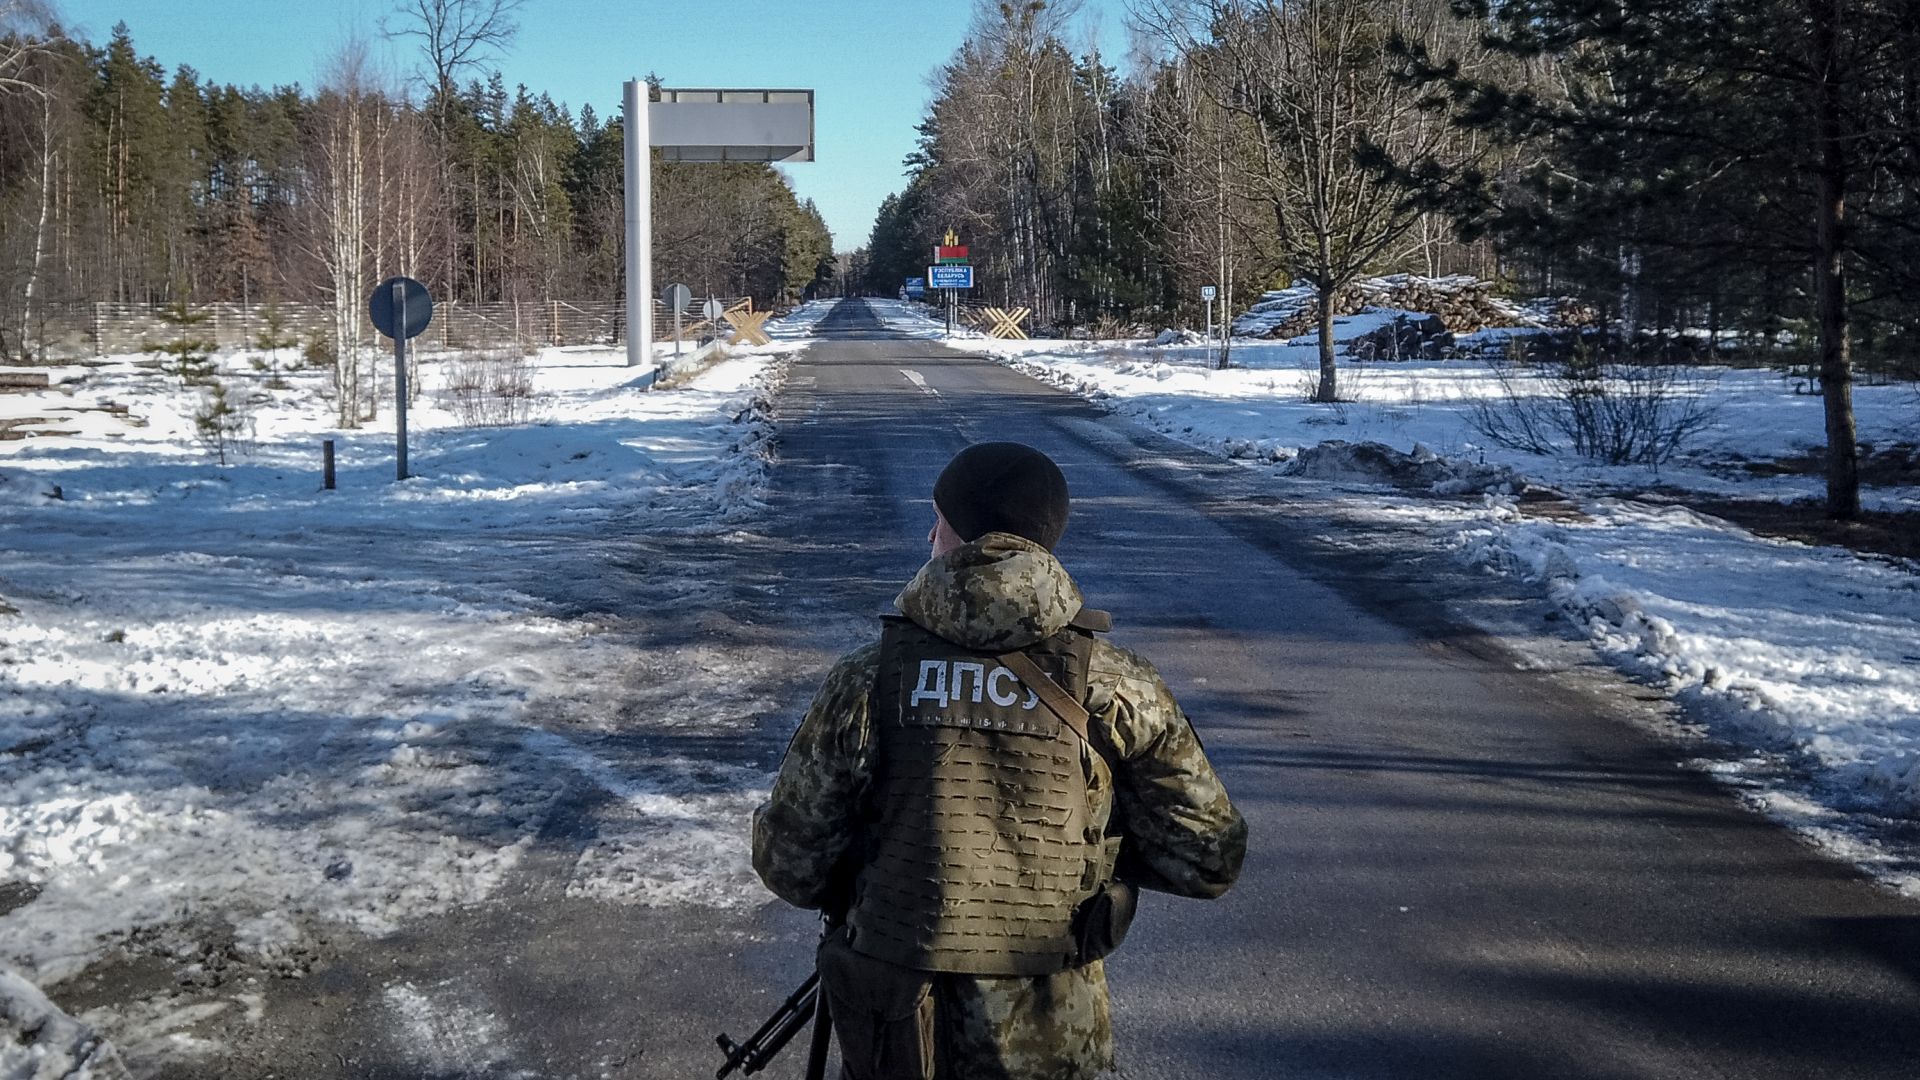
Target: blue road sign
<point x="950" y="276"/>
<point x="916" y="288"/>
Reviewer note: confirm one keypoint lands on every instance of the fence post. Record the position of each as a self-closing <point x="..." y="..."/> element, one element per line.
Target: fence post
<point x="555" y="334"/>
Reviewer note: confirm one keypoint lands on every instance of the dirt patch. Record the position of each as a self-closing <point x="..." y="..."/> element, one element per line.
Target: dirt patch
<point x="1897" y="465"/>
<point x="1544" y="502"/>
<point x="1877" y="532"/>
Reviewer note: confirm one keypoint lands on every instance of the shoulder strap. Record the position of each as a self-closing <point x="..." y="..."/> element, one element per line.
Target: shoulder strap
<point x="1058" y="701"/>
<point x="1093" y="620"/>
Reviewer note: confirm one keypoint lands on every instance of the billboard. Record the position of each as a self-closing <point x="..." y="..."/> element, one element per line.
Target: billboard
<point x="732" y="125"/>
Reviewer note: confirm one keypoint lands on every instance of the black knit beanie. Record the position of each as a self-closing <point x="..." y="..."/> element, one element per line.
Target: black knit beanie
<point x="1003" y="487"/>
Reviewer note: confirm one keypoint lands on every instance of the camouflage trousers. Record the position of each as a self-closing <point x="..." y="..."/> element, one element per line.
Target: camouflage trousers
<point x="895" y="1023"/>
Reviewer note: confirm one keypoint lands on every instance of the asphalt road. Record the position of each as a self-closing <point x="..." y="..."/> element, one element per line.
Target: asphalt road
<point x="1458" y="868"/>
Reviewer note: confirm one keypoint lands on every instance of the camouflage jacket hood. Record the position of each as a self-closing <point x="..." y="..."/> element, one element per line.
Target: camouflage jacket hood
<point x="998" y="593"/>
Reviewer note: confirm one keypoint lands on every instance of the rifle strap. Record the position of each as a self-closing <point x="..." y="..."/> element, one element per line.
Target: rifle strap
<point x="1058" y="701"/>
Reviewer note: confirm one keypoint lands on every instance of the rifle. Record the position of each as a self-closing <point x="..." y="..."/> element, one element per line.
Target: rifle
<point x="757" y="1052"/>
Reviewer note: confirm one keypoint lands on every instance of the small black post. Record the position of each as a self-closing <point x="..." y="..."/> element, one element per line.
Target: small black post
<point x="326" y="462"/>
<point x="400" y="379"/>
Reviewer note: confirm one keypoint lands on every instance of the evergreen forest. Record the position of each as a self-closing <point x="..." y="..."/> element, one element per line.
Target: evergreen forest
<point x="124" y="182"/>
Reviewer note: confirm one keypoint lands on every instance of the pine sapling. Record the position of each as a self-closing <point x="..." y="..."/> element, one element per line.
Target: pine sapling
<point x="221" y="423"/>
<point x="185" y="357"/>
<point x="272" y="338"/>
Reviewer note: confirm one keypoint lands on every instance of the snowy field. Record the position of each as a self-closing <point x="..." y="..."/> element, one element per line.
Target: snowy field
<point x="1809" y="657"/>
<point x="239" y="713"/>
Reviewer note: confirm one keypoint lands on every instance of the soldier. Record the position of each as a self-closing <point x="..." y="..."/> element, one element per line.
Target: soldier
<point x="974" y="799"/>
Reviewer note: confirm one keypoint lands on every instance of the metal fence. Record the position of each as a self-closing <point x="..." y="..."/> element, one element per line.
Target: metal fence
<point x="98" y="329"/>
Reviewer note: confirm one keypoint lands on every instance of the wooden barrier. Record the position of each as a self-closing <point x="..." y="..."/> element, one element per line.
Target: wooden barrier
<point x="746" y="326"/>
<point x="1006" y="324"/>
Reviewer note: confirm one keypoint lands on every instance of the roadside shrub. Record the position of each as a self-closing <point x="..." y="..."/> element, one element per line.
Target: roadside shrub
<point x="492" y="389"/>
<point x="1617" y="412"/>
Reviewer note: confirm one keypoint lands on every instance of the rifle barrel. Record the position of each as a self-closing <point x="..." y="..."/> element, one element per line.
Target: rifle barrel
<point x="780" y="1028"/>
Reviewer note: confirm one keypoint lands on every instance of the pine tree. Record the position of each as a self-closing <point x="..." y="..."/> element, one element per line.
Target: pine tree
<point x="1688" y="136"/>
<point x="187" y="357"/>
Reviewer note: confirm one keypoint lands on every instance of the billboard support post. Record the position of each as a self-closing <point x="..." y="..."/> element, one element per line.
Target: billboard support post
<point x="639" y="170"/>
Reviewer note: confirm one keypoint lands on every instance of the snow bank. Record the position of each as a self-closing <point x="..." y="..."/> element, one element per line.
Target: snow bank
<point x="1420" y="470"/>
<point x="40" y="1042"/>
<point x="1809" y="650"/>
<point x="22" y="489"/>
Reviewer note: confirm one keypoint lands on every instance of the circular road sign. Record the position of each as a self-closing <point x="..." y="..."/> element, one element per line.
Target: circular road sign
<point x="419" y="307"/>
<point x="676" y="297"/>
<point x="713" y="309"/>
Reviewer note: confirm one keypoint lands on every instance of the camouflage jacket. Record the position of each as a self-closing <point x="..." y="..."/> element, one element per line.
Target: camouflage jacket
<point x="1183" y="835"/>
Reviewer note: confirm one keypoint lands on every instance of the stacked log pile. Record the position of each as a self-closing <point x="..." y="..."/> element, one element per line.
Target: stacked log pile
<point x="1462" y="303"/>
<point x="1413" y="336"/>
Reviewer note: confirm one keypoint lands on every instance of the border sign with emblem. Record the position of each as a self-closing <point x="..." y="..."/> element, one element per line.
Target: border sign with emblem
<point x="950" y="276"/>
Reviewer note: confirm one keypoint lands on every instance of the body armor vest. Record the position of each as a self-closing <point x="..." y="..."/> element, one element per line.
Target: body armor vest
<point x="980" y="841"/>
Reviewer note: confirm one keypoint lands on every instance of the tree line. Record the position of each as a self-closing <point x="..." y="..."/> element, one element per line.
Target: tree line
<point x="122" y="182"/>
<point x="1744" y="173"/>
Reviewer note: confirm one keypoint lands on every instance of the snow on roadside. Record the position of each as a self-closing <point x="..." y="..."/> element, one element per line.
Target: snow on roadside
<point x="1813" y="651"/>
<point x="239" y="714"/>
<point x="38" y="1041"/>
<point x="1809" y="657"/>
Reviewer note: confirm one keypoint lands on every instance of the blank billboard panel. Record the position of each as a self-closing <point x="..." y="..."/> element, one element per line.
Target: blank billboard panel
<point x="732" y="125"/>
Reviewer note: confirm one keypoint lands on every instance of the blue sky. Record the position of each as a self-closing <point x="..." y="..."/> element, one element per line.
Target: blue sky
<point x="867" y="60"/>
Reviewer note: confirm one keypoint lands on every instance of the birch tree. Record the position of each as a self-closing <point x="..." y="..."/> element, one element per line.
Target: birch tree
<point x="338" y="214"/>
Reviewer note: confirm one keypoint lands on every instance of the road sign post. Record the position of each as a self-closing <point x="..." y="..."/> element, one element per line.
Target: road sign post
<point x="676" y="297"/>
<point x="1206" y="294"/>
<point x="950" y="271"/>
<point x="400" y="308"/>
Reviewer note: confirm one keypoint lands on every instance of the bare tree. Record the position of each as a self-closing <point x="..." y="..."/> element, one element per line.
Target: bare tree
<point x="1314" y="81"/>
<point x="454" y="36"/>
<point x="25" y="29"/>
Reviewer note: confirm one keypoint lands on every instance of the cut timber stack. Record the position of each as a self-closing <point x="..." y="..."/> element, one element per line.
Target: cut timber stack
<point x="1462" y="303"/>
<point x="16" y="381"/>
